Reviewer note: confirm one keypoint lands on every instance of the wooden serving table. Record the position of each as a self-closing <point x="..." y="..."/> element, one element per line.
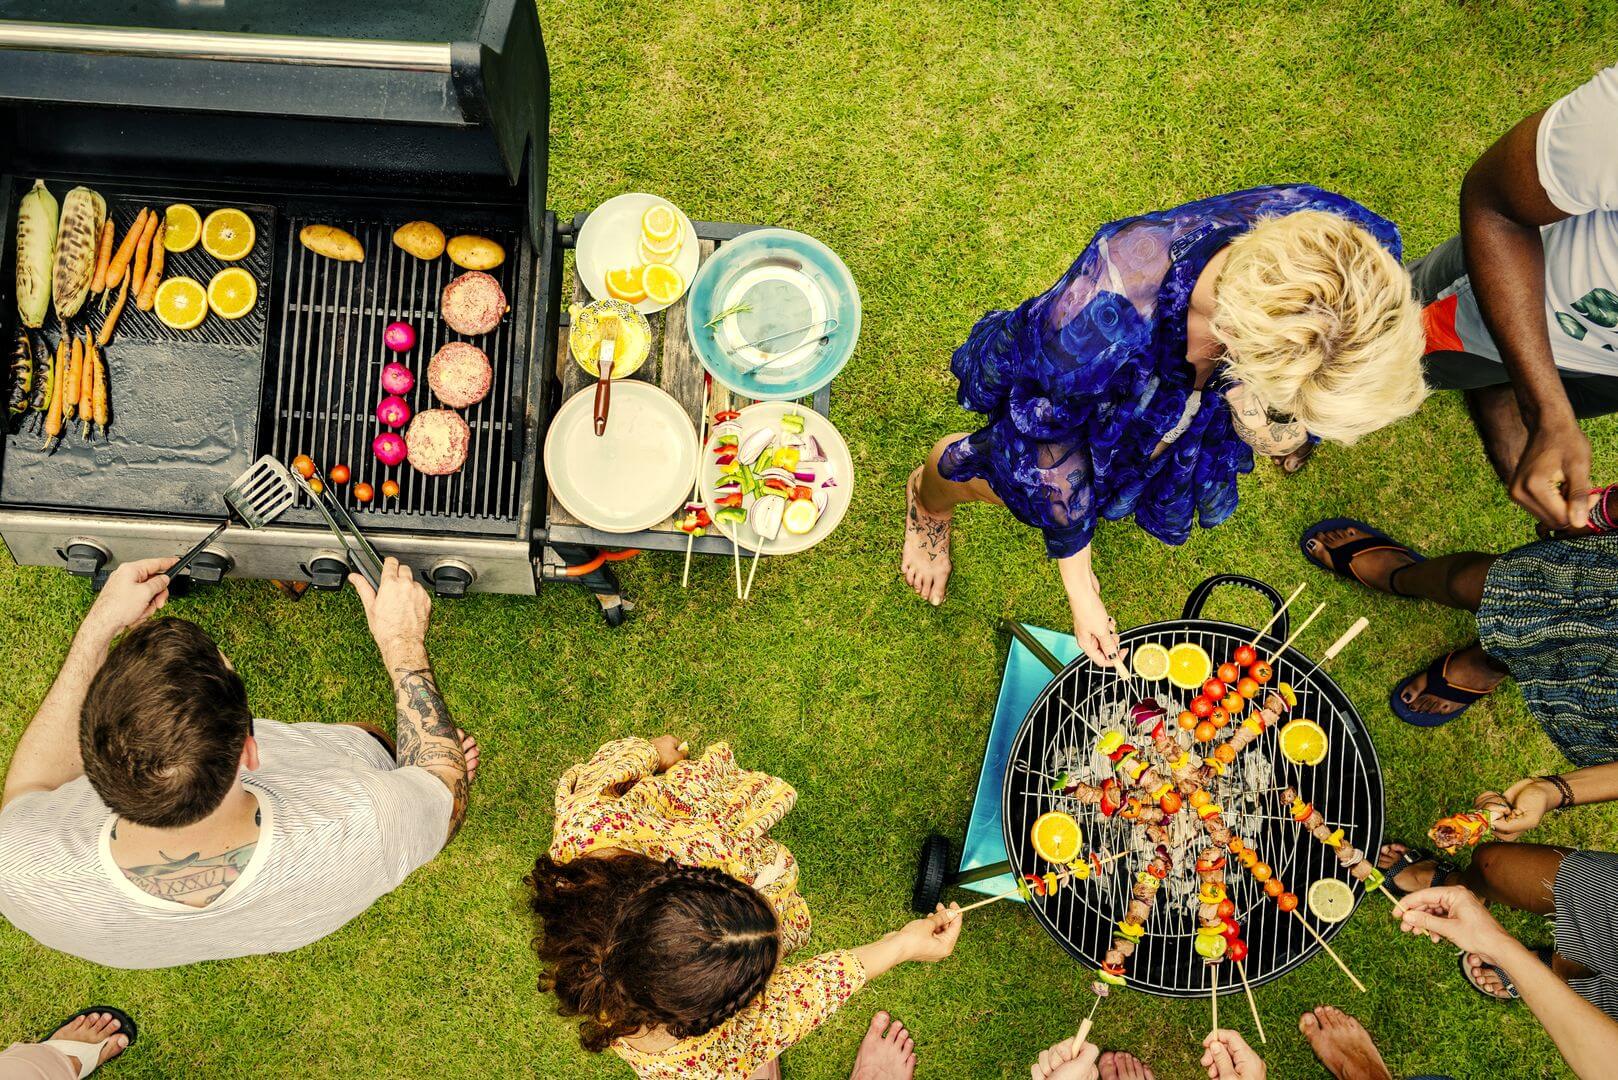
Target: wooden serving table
<point x="673" y="367"/>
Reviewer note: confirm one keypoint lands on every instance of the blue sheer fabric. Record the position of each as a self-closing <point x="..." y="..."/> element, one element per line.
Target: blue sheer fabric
<point x="1082" y="382"/>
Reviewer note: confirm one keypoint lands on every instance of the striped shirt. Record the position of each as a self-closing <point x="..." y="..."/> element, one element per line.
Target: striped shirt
<point x="340" y="826"/>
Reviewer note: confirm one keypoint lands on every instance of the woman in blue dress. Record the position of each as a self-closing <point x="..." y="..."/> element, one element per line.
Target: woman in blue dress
<point x="1140" y="384"/>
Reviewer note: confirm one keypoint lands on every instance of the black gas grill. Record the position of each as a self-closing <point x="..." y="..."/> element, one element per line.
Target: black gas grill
<point x="1059" y="736"/>
<point x="359" y="116"/>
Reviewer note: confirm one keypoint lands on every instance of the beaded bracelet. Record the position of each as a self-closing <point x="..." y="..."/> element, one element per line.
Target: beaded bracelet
<point x="1562" y="786"/>
<point x="1604" y="514"/>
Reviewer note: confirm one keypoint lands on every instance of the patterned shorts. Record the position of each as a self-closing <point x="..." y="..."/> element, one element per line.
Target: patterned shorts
<point x="1585" y="895"/>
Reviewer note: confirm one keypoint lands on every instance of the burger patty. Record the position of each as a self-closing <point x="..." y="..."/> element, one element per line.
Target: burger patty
<point x="437" y="441"/>
<point x="473" y="303"/>
<point x="459" y="374"/>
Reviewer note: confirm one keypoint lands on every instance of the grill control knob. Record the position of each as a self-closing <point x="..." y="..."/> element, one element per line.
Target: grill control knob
<point x="327" y="571"/>
<point x="450" y="577"/>
<point x="86" y="558"/>
<point x="210" y="567"/>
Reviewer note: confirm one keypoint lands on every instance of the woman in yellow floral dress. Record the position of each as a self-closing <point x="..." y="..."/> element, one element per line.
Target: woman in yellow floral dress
<point x="667" y="913"/>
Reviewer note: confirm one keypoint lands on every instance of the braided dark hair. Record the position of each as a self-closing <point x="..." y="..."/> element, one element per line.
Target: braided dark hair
<point x="629" y="943"/>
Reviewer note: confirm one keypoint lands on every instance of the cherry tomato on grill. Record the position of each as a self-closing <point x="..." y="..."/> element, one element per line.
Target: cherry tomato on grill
<point x="1202" y="708"/>
<point x="1170" y="802"/>
<point x="1234" y="702"/>
<point x="1230" y="931"/>
<point x="1246" y="655"/>
<point x="1248" y="688"/>
<point x="1187" y="720"/>
<point x="1227" y="908"/>
<point x="1274" y="887"/>
<point x="1205" y="732"/>
<point x="1287" y="901"/>
<point x="1236" y="951"/>
<point x="1219" y="717"/>
<point x="1213" y="689"/>
<point x="339" y="474"/>
<point x="1261" y="871"/>
<point x="390" y="489"/>
<point x="1225" y="753"/>
<point x="1228" y="672"/>
<point x="316" y="486"/>
<point x="364" y="492"/>
<point x="304" y="466"/>
<point x="1262" y="672"/>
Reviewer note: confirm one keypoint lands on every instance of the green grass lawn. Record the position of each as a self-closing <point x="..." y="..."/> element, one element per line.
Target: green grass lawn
<point x="957" y="156"/>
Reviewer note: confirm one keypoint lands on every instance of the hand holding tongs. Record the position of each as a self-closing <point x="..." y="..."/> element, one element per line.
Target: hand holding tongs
<point x="361" y="555"/>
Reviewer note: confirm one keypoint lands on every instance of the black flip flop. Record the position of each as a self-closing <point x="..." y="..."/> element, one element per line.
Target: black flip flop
<point x="1341" y="559"/>
<point x="1439" y="686"/>
<point x="1442" y="868"/>
<point x="126" y="1024"/>
<point x="1543" y="955"/>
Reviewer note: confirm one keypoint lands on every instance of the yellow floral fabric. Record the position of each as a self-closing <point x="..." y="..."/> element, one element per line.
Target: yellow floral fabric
<point x="706" y="811"/>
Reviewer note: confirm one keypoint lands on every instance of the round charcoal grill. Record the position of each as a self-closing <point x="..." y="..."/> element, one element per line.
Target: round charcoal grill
<point x="1059" y="736"/>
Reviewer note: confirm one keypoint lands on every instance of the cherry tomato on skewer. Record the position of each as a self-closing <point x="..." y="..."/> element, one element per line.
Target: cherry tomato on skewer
<point x="1262" y="672"/>
<point x="1248" y="688"/>
<point x="1228" y="672"/>
<point x="1261" y="871"/>
<point x="1187" y="720"/>
<point x="1200" y="798"/>
<point x="1287" y="901"/>
<point x="1202" y="708"/>
<point x="1234" y="703"/>
<point x="1205" y="732"/>
<point x="1236" y="951"/>
<point x="1246" y="655"/>
<point x="1274" y="887"/>
<point x="1227" y="908"/>
<point x="390" y="489"/>
<point x="1213" y="689"/>
<point x="1225" y="753"/>
<point x="1230" y="931"/>
<point x="1219" y="717"/>
<point x="1170" y="802"/>
<point x="364" y="492"/>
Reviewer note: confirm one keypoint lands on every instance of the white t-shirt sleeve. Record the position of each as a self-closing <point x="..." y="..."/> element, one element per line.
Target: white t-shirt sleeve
<point x="1578" y="147"/>
<point x="412" y="809"/>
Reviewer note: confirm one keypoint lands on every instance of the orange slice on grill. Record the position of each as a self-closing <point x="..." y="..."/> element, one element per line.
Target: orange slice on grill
<point x="232" y="293"/>
<point x="1304" y="742"/>
<point x="228" y="234"/>
<point x="182" y="303"/>
<point x="1057" y="838"/>
<point x="182" y="226"/>
<point x="664" y="284"/>
<point x="1189" y="666"/>
<point x="627" y="284"/>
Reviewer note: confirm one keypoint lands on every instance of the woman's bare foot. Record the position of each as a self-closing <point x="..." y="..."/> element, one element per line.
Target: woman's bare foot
<point x="926" y="564"/>
<point x="1469" y="669"/>
<point x="1343" y="1045"/>
<point x="469" y="747"/>
<point x="1413" y="877"/>
<point x="886" y="1053"/>
<point x="1116" y="1065"/>
<point x="92" y="1029"/>
<point x="1486" y="978"/>
<point x="1373" y="568"/>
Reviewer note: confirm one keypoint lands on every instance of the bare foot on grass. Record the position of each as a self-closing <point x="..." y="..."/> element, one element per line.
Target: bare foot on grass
<point x="926" y="564"/>
<point x="886" y="1053"/>
<point x="1342" y="1044"/>
<point x="1116" y="1065"/>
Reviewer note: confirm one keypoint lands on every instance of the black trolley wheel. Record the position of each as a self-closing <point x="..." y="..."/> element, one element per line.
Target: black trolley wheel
<point x="932" y="874"/>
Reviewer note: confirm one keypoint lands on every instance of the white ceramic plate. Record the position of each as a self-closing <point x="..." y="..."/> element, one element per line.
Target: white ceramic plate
<point x="635" y="475"/>
<point x="610" y="240"/>
<point x="838" y="466"/>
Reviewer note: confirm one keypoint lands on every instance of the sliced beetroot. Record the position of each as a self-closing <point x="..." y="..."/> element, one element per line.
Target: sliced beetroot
<point x="474" y="303"/>
<point x="459" y="374"/>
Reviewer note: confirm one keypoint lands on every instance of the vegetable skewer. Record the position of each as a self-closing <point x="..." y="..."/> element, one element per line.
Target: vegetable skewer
<point x="1286" y="901"/>
<point x="1349" y="857"/>
<point x="1063" y="878"/>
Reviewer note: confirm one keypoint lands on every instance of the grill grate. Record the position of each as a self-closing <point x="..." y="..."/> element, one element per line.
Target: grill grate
<point x="1059" y="734"/>
<point x="325" y="365"/>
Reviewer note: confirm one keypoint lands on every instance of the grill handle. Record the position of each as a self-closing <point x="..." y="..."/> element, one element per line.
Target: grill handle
<point x="1199" y="599"/>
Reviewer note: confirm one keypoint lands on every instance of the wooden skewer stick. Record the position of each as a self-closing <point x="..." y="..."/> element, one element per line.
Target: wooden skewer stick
<point x="1288" y="642"/>
<point x="1348" y="635"/>
<point x="1084" y="1030"/>
<point x="1390" y="896"/>
<point x="1251" y="1004"/>
<point x="735" y="556"/>
<point x="748" y="592"/>
<point x="1215" y="996"/>
<point x="1329" y="951"/>
<point x="1278" y="613"/>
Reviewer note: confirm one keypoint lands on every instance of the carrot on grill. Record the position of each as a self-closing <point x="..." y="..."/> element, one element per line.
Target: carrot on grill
<point x="98" y="410"/>
<point x="111" y="320"/>
<point x="75" y="378"/>
<point x="53" y="416"/>
<point x="154" y="273"/>
<point x="143" y="251"/>
<point x="119" y="268"/>
<point x="103" y="257"/>
<point x="87" y="389"/>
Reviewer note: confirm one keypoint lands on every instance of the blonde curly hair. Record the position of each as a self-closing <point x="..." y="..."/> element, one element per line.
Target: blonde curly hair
<point x="1320" y="323"/>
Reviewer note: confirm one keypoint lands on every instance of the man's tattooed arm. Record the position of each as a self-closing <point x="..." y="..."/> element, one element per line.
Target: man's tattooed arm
<point x="426" y="734"/>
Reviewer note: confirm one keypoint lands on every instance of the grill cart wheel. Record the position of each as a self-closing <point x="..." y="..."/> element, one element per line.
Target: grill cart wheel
<point x="932" y="874"/>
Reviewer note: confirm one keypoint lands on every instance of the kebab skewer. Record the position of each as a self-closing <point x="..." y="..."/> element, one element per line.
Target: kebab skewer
<point x="1276" y="889"/>
<point x="1132" y="927"/>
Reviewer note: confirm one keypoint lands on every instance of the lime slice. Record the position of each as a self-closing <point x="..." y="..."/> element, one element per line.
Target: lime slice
<point x="1330" y="900"/>
<point x="1151" y="662"/>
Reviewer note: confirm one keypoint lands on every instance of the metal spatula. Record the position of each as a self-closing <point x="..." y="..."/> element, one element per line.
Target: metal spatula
<point x="359" y="550"/>
<point x="260" y="495"/>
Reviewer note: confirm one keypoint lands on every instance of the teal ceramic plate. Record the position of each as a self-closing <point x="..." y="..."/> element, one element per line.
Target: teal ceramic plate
<point x="785" y="290"/>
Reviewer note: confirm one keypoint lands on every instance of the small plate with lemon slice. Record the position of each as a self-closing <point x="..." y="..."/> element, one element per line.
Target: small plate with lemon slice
<point x="637" y="248"/>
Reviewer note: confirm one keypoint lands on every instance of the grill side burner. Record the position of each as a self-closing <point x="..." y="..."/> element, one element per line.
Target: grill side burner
<point x="1061" y="731"/>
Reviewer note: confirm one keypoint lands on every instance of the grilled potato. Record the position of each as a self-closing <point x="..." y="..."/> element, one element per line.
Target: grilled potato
<point x="422" y="239"/>
<point x="331" y="242"/>
<point x="476" y="252"/>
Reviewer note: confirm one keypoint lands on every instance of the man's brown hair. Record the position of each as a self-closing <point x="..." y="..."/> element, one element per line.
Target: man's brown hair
<point x="163" y="726"/>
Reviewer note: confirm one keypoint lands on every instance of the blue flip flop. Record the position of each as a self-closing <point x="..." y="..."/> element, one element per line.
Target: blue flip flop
<point x="1342" y="559"/>
<point x="1439" y="686"/>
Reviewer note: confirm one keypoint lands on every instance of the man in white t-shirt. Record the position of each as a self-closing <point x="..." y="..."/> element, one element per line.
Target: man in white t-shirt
<point x="1526" y="320"/>
<point x="148" y="820"/>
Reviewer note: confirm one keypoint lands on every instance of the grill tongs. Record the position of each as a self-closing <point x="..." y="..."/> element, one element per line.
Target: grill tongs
<point x="361" y="555"/>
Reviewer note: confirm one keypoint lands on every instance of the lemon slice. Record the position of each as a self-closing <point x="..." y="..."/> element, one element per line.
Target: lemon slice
<point x="182" y="303"/>
<point x="1303" y="742"/>
<point x="228" y="234"/>
<point x="182" y="227"/>
<point x="627" y="284"/>
<point x="660" y="226"/>
<point x="664" y="284"/>
<point x="1189" y="666"/>
<point x="1330" y="900"/>
<point x="1057" y="838"/>
<point x="1151" y="661"/>
<point x="232" y="293"/>
<point x="649" y="255"/>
